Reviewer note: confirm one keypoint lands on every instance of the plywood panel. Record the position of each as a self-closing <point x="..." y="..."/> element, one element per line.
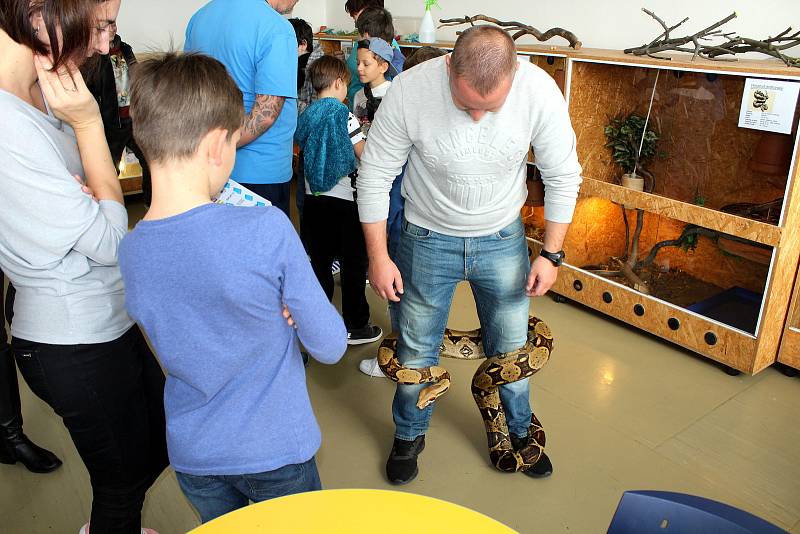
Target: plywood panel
<point x="707" y="156"/>
<point x="597" y="234"/>
<point x="763" y="67"/>
<point x="690" y="213"/>
<point x="784" y="272"/>
<point x="555" y="66"/>
<point x="706" y="261"/>
<point x="704" y="157"/>
<point x="731" y="347"/>
<point x="597" y="95"/>
<point x="790" y="348"/>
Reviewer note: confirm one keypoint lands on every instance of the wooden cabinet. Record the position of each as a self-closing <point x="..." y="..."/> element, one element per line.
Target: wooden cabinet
<point x="717" y="222"/>
<point x="789" y="353"/>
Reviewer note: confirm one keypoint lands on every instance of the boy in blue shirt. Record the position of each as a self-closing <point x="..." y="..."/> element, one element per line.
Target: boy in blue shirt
<point x="225" y="295"/>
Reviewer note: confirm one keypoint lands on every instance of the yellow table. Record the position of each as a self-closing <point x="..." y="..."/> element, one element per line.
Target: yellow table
<point x="353" y="511"/>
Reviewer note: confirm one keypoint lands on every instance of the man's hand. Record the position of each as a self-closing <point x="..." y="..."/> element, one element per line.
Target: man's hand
<point x="385" y="279"/>
<point x="541" y="278"/>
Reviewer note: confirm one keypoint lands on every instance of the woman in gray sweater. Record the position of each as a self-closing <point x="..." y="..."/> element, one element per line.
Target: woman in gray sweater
<point x="72" y="340"/>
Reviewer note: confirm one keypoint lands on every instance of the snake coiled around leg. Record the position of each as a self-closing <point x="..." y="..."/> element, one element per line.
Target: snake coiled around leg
<point x="496" y="371"/>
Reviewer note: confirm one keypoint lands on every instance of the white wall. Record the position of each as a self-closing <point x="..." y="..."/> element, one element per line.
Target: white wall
<point x="152" y="24"/>
<point x="596" y="23"/>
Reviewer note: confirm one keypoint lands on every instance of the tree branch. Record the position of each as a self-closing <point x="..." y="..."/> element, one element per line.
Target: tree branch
<point x="519" y="28"/>
<point x="772" y="46"/>
<point x="684" y="238"/>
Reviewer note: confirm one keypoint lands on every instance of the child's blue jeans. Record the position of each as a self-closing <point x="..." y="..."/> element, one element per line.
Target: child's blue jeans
<point x="216" y="495"/>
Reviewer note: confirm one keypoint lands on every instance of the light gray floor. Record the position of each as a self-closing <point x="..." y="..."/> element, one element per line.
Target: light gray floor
<point x="623" y="410"/>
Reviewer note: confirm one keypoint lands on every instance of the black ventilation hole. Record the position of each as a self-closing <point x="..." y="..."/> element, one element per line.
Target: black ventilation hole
<point x="638" y="310"/>
<point x="607" y="298"/>
<point x="711" y="338"/>
<point x="673" y="323"/>
<point x="578" y="285"/>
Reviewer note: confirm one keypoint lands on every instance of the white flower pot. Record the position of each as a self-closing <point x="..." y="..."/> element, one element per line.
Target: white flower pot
<point x="427" y="29"/>
<point x="632" y="181"/>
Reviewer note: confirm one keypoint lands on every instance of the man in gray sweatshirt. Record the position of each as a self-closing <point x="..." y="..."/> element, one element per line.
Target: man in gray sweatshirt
<point x="464" y="123"/>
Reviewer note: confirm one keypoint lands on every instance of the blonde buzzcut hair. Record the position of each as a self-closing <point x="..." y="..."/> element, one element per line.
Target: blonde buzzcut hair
<point x="484" y="56"/>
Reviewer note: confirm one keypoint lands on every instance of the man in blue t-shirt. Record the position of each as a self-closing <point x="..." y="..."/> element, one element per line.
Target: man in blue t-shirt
<point x="258" y="47"/>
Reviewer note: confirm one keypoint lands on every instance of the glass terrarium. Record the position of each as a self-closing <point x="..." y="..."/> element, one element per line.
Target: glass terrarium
<point x="701" y="155"/>
<point x="715" y="275"/>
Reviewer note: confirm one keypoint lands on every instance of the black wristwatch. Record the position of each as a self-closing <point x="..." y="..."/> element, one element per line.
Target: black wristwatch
<point x="556" y="257"/>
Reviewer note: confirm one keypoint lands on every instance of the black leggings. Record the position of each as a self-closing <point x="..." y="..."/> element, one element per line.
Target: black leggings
<point x="110" y="397"/>
<point x="332" y="230"/>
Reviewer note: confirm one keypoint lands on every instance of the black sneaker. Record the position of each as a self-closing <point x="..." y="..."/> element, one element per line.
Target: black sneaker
<point x="366" y="334"/>
<point x="401" y="467"/>
<point x="541" y="469"/>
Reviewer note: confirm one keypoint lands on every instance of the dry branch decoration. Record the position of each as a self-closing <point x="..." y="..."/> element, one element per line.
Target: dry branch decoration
<point x="734" y="44"/>
<point x="516" y="29"/>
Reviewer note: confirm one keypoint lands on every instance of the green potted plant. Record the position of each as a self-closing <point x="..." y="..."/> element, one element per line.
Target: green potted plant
<point x="625" y="135"/>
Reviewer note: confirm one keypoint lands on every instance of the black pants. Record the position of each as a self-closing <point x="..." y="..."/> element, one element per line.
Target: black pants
<point x="110" y="397"/>
<point x="332" y="230"/>
<point x="10" y="406"/>
<point x="6" y="309"/>
<point x="278" y="194"/>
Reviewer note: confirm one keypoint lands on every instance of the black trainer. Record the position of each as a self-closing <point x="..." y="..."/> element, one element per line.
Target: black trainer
<point x="401" y="467"/>
<point x="365" y="334"/>
<point x="541" y="469"/>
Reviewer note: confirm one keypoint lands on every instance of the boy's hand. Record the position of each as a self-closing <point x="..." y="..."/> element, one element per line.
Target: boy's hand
<point x="67" y="94"/>
<point x="385" y="279"/>
<point x="288" y="316"/>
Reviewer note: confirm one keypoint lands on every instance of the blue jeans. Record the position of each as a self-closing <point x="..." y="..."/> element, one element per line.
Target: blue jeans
<point x="431" y="264"/>
<point x="216" y="495"/>
<point x="394" y="223"/>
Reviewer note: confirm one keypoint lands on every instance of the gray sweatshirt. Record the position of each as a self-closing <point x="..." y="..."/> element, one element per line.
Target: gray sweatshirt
<point x="57" y="245"/>
<point x="467" y="178"/>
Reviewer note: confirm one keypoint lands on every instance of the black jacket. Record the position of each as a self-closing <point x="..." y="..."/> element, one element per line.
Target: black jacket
<point x="102" y="84"/>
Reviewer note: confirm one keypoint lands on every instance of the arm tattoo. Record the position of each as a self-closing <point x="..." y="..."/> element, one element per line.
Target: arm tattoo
<point x="263" y="115"/>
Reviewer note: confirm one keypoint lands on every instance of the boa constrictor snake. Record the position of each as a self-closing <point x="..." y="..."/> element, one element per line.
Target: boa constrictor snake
<point x="496" y="371"/>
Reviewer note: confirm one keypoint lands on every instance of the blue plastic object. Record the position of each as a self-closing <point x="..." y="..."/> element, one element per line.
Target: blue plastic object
<point x="663" y="512"/>
<point x="737" y="307"/>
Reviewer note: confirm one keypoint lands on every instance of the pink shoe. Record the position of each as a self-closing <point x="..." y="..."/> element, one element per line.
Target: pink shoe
<point x="85" y="530"/>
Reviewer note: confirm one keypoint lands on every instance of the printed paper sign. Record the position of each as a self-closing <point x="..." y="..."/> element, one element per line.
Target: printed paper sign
<point x="235" y="194"/>
<point x="768" y="105"/>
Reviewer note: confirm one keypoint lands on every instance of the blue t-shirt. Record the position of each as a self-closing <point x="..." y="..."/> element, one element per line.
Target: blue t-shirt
<point x="208" y="287"/>
<point x="259" y="48"/>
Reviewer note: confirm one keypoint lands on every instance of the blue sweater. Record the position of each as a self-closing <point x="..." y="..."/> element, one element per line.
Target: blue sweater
<point x="208" y="286"/>
<point x="323" y="137"/>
